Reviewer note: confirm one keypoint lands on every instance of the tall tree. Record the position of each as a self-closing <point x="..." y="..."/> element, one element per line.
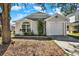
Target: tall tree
<point x="68" y="8"/>
<point x="5" y="20"/>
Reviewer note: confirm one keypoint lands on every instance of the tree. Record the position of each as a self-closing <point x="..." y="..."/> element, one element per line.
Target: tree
<point x="66" y="8"/>
<point x="5" y="21"/>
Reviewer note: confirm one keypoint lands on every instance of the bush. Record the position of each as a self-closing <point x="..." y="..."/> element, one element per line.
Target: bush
<point x="17" y="35"/>
<point x="28" y="33"/>
<point x="40" y="27"/>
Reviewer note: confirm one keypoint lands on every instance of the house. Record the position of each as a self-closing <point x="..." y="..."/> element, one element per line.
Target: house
<point x="56" y="25"/>
<point x="41" y="24"/>
<point x="29" y="24"/>
<point x="73" y="25"/>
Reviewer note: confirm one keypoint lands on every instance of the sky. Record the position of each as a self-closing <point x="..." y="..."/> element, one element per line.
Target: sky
<point x="20" y="11"/>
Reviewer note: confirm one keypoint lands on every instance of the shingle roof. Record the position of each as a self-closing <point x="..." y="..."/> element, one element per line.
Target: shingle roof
<point x="36" y="15"/>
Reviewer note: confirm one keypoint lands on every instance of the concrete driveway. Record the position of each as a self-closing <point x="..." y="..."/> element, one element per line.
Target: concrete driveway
<point x="68" y="44"/>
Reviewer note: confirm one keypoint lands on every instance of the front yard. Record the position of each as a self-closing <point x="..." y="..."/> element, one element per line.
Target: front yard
<point x="30" y="47"/>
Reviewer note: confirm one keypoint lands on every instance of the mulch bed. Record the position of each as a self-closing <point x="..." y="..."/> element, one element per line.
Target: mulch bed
<point x="31" y="48"/>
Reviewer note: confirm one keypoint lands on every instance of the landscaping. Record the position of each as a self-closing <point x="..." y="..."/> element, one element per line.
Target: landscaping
<point x="30" y="47"/>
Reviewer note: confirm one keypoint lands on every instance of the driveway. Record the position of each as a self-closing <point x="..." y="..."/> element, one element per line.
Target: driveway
<point x="68" y="44"/>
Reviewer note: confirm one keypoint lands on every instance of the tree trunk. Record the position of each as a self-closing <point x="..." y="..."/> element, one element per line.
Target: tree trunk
<point x="6" y="35"/>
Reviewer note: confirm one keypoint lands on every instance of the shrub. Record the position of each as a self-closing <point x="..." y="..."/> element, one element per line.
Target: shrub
<point x="28" y="33"/>
<point x="40" y="27"/>
<point x="17" y="34"/>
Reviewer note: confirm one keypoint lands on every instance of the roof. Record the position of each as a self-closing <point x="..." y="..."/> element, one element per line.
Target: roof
<point x="57" y="15"/>
<point x="35" y="16"/>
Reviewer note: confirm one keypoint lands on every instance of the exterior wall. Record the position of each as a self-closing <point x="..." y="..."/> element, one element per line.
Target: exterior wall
<point x="34" y="27"/>
<point x="65" y="27"/>
<point x="18" y="28"/>
<point x="77" y="15"/>
<point x="72" y="19"/>
<point x="47" y="28"/>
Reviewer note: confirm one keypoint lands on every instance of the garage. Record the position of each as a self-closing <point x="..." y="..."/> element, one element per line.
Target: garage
<point x="56" y="25"/>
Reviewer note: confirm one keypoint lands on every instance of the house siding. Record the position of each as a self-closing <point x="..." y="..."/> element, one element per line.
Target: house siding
<point x="18" y="28"/>
<point x="34" y="27"/>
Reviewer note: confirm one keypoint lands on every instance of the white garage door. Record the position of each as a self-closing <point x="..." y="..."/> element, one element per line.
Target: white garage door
<point x="55" y="28"/>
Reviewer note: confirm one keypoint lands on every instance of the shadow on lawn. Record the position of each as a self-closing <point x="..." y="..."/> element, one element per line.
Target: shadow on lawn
<point x="3" y="48"/>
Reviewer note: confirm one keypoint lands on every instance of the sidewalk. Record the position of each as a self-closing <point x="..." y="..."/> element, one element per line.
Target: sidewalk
<point x="70" y="47"/>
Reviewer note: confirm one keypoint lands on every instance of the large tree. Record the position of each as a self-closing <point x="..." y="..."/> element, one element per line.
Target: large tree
<point x="68" y="8"/>
<point x="5" y="21"/>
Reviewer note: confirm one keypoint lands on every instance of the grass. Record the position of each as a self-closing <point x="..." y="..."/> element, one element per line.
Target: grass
<point x="75" y="35"/>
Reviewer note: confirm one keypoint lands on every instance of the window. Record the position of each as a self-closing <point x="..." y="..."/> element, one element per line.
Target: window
<point x="28" y="28"/>
<point x="24" y="28"/>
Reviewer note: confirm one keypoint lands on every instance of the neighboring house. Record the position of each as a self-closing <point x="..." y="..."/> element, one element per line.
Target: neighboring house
<point x="73" y="26"/>
<point x="12" y="27"/>
<point x="29" y="24"/>
<point x="52" y="25"/>
<point x="56" y="25"/>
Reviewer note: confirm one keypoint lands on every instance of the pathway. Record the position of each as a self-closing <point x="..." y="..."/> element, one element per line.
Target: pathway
<point x="68" y="44"/>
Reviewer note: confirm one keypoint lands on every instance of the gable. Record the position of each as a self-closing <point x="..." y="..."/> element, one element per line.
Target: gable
<point x="23" y="20"/>
<point x="56" y="17"/>
<point x="37" y="15"/>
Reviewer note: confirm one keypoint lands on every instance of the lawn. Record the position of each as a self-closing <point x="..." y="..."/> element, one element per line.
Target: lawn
<point x="31" y="47"/>
<point x="75" y="35"/>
